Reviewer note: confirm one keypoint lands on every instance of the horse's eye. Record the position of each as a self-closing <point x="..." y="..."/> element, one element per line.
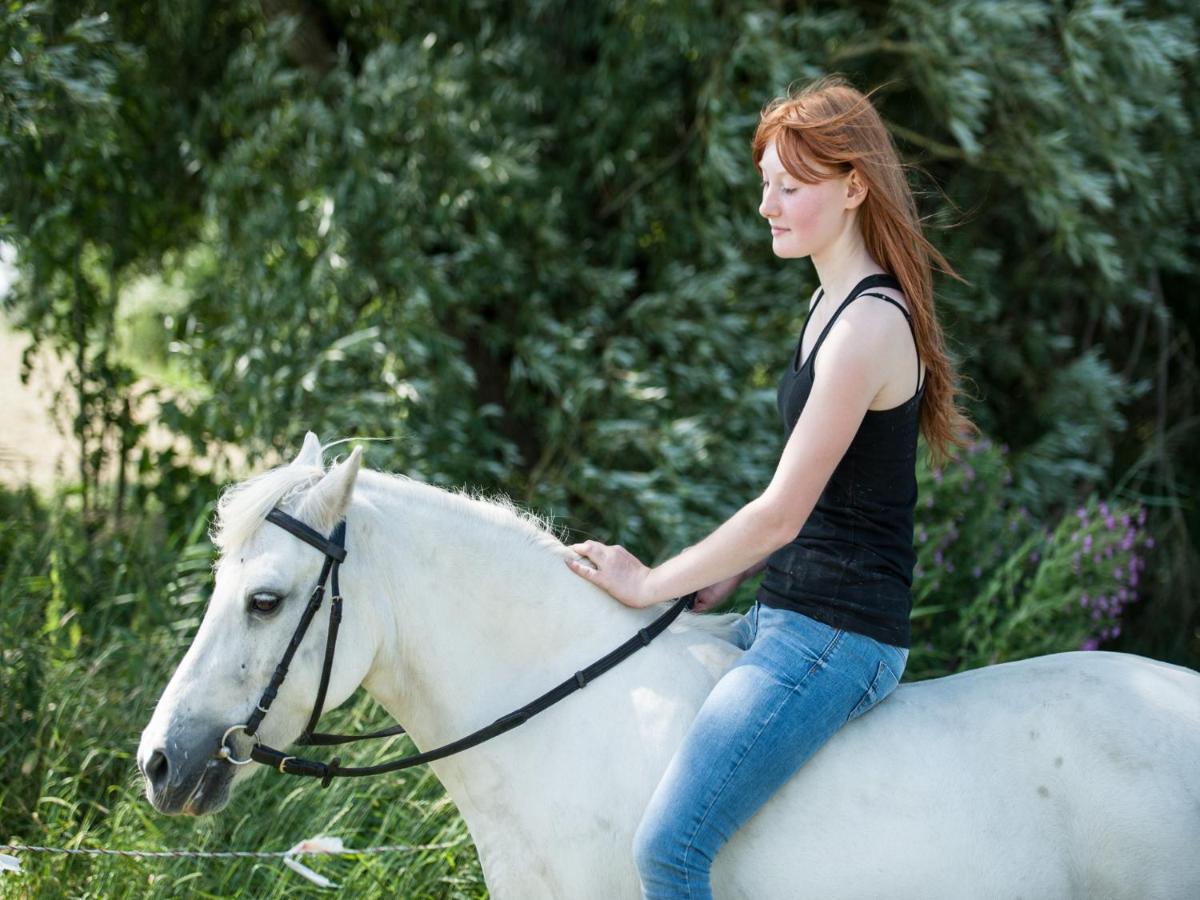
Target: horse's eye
<point x="263" y="601"/>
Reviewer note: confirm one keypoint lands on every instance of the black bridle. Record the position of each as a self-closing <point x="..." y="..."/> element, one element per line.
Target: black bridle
<point x="334" y="548"/>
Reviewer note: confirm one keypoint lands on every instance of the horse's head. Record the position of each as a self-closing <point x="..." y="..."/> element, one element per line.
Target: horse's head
<point x="263" y="582"/>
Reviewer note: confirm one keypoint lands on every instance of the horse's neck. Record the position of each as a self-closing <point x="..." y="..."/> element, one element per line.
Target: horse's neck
<point x="478" y="619"/>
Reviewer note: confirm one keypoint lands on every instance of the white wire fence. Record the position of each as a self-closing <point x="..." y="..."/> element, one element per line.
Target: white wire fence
<point x="320" y="845"/>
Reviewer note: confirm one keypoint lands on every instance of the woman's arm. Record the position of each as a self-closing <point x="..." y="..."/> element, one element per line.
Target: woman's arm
<point x="739" y="545"/>
<point x="831" y="417"/>
<point x="756" y="568"/>
<point x="748" y="573"/>
<point x="715" y="594"/>
<point x="755" y="531"/>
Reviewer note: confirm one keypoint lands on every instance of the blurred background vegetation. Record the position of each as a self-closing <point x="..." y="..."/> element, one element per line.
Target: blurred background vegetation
<point x="519" y="243"/>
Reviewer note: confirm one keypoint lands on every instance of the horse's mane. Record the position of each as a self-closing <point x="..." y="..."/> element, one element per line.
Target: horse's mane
<point x="242" y="509"/>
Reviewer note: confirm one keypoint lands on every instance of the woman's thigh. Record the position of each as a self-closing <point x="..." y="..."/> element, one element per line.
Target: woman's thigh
<point x="798" y="683"/>
<point x="745" y="628"/>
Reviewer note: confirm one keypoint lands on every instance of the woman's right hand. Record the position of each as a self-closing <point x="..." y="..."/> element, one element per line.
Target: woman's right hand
<point x="716" y="594"/>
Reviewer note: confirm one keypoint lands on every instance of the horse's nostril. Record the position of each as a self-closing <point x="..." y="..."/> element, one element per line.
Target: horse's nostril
<point x="157" y="770"/>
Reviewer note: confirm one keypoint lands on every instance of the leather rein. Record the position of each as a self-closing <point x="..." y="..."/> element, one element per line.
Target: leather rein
<point x="334" y="548"/>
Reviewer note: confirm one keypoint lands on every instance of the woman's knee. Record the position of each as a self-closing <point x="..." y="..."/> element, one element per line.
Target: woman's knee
<point x="652" y="847"/>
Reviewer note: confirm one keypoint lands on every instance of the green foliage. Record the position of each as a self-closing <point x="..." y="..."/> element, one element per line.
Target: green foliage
<point x="524" y="243"/>
<point x="1081" y="407"/>
<point x="557" y="287"/>
<point x="992" y="583"/>
<point x="84" y="176"/>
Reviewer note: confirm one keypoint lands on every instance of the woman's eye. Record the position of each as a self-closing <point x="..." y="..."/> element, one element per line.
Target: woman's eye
<point x="263" y="602"/>
<point x="788" y="190"/>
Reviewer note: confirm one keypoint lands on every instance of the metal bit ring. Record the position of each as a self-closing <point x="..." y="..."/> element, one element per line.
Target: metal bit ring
<point x="224" y="752"/>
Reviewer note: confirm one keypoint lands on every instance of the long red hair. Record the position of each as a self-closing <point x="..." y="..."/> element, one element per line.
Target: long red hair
<point x="834" y="125"/>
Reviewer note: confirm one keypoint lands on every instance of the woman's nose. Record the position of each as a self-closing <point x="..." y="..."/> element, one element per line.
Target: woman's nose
<point x="766" y="209"/>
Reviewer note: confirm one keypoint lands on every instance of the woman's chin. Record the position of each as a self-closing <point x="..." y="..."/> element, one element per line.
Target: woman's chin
<point x="783" y="251"/>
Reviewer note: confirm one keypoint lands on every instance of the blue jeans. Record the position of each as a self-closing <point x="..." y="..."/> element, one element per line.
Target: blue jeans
<point x="798" y="682"/>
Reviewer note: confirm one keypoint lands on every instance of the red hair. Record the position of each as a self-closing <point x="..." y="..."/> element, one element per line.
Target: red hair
<point x="831" y="123"/>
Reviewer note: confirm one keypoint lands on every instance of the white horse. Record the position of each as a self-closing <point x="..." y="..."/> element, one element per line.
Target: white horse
<point x="1068" y="775"/>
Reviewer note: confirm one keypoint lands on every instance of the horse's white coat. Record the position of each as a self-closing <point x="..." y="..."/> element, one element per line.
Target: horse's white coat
<point x="1069" y="775"/>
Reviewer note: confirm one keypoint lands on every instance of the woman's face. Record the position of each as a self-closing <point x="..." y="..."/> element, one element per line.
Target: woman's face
<point x="804" y="218"/>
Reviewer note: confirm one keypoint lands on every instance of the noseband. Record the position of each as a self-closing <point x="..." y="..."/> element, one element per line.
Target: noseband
<point x="334" y="548"/>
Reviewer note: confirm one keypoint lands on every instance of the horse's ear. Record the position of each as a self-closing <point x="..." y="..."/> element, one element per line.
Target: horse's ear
<point x="326" y="503"/>
<point x="310" y="453"/>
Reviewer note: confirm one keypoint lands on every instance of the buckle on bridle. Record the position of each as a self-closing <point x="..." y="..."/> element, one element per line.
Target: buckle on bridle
<point x="283" y="764"/>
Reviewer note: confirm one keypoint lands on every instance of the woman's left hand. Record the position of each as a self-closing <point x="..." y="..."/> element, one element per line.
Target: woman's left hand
<point x="616" y="570"/>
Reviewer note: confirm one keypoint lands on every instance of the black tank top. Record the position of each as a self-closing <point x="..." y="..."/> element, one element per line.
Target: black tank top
<point x="851" y="565"/>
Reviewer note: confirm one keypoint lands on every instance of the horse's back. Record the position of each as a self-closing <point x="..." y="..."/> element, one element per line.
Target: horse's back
<point x="1068" y="775"/>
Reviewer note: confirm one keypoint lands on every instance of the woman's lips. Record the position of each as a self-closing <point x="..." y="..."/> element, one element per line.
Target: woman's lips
<point x="778" y="231"/>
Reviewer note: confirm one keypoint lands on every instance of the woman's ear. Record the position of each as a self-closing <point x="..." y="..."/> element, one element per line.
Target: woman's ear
<point x="856" y="190"/>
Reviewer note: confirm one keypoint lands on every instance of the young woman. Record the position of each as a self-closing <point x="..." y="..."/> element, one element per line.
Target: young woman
<point x="828" y="636"/>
